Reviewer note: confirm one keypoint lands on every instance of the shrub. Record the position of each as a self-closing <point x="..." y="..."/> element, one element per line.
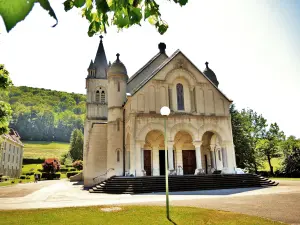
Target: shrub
<point x="29" y="173"/>
<point x="32" y="161"/>
<point x="22" y="177"/>
<point x="5" y="178"/>
<point x="13" y="181"/>
<point x="51" y="165"/>
<point x="78" y="164"/>
<point x="64" y="170"/>
<point x="41" y="170"/>
<point x="27" y="177"/>
<point x="69" y="174"/>
<point x="72" y="169"/>
<point x="69" y="165"/>
<point x="50" y="176"/>
<point x="20" y="181"/>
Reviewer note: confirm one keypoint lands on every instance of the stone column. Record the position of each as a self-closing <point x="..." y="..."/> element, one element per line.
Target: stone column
<point x="132" y="159"/>
<point x="197" y="145"/>
<point x="230" y="156"/>
<point x="212" y="150"/>
<point x="179" y="168"/>
<point x="170" y="155"/>
<point x="155" y="161"/>
<point x="138" y="159"/>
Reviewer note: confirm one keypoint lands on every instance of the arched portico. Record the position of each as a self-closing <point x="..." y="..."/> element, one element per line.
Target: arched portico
<point x="213" y="154"/>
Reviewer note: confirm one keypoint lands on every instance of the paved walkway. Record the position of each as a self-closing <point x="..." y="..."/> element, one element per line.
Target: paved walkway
<point x="280" y="203"/>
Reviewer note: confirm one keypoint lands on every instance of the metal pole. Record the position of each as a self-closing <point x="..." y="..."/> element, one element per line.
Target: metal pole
<point x="166" y="162"/>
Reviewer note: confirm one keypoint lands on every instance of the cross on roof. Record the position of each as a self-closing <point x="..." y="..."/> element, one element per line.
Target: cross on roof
<point x="101" y="37"/>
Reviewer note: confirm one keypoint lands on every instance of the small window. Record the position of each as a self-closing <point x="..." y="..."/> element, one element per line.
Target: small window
<point x="118" y="125"/>
<point x="118" y="86"/>
<point x="102" y="97"/>
<point x="180" y="96"/>
<point x="97" y="96"/>
<point x="219" y="153"/>
<point x="118" y="155"/>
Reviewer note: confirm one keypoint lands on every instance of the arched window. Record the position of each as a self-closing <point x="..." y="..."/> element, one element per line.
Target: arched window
<point x="180" y="97"/>
<point x="118" y="125"/>
<point x="118" y="155"/>
<point x="102" y="96"/>
<point x="118" y="86"/>
<point x="97" y="96"/>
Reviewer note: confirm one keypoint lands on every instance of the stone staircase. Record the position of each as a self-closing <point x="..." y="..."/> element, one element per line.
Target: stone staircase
<point x="135" y="185"/>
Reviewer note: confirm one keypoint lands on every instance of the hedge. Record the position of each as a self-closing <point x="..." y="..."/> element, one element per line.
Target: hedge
<point x="29" y="173"/>
<point x="72" y="169"/>
<point x="22" y="177"/>
<point x="69" y="174"/>
<point x="50" y="176"/>
<point x="33" y="161"/>
<point x="69" y="165"/>
<point x="64" y="170"/>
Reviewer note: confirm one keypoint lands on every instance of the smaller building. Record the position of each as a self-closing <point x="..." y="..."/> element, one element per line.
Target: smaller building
<point x="11" y="154"/>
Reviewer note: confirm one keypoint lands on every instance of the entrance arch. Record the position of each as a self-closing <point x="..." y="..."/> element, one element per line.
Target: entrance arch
<point x="153" y="163"/>
<point x="185" y="152"/>
<point x="211" y="152"/>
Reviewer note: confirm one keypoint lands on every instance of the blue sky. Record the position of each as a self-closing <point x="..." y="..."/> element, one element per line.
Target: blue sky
<point x="252" y="46"/>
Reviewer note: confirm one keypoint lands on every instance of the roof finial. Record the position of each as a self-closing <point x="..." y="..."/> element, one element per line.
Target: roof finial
<point x="101" y="37"/>
<point x="206" y="63"/>
<point x="118" y="55"/>
<point x="162" y="47"/>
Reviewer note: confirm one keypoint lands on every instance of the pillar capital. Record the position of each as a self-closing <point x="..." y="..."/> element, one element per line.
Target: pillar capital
<point x="170" y="143"/>
<point x="197" y="143"/>
<point x="212" y="147"/>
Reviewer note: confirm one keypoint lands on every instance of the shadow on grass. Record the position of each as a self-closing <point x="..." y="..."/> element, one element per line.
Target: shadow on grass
<point x="172" y="221"/>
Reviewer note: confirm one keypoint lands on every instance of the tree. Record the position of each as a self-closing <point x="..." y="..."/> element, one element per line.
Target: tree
<point x="270" y="146"/>
<point x="100" y="13"/>
<point x="292" y="159"/>
<point x="76" y="145"/>
<point x="5" y="109"/>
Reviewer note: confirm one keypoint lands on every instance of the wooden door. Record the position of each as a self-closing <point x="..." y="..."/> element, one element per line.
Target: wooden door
<point x="147" y="162"/>
<point x="189" y="161"/>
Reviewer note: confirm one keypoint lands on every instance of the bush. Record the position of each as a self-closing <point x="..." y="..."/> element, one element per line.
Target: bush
<point x="78" y="164"/>
<point x="20" y="181"/>
<point x="5" y="178"/>
<point x="69" y="174"/>
<point x="41" y="170"/>
<point x="13" y="181"/>
<point x="27" y="177"/>
<point x="32" y="161"/>
<point x="69" y="165"/>
<point x="72" y="169"/>
<point x="22" y="177"/>
<point x="51" y="165"/>
<point x="64" y="170"/>
<point x="29" y="173"/>
<point x="50" y="176"/>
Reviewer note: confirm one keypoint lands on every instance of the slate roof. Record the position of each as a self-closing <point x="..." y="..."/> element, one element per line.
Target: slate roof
<point x="100" y="62"/>
<point x="13" y="136"/>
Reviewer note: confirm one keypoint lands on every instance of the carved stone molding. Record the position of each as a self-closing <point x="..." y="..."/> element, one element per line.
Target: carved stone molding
<point x="180" y="63"/>
<point x="203" y="85"/>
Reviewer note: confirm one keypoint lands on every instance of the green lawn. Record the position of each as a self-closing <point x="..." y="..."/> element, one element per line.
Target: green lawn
<point x="285" y="178"/>
<point x="127" y="215"/>
<point x="43" y="149"/>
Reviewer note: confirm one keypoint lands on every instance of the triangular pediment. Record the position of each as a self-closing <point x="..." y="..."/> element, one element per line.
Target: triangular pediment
<point x="179" y="63"/>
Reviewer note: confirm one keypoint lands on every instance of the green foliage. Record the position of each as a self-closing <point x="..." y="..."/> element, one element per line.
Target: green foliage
<point x="5" y="109"/>
<point x="78" y="164"/>
<point x="76" y="145"/>
<point x="45" y="115"/>
<point x="270" y="146"/>
<point x="14" y="11"/>
<point x="292" y="156"/>
<point x="66" y="158"/>
<point x="100" y="13"/>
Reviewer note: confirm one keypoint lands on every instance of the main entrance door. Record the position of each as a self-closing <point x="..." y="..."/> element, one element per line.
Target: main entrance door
<point x="189" y="161"/>
<point x="147" y="162"/>
<point x="162" y="165"/>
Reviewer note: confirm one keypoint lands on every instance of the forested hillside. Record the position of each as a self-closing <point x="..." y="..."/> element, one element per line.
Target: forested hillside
<point x="45" y="115"/>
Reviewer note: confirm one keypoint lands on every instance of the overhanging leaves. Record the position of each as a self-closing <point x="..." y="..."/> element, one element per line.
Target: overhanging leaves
<point x="14" y="11"/>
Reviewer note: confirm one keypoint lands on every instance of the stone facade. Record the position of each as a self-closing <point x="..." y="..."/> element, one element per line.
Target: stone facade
<point x="11" y="154"/>
<point x="198" y="129"/>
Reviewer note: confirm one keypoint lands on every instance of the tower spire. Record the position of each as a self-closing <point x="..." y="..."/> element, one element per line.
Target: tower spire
<point x="100" y="62"/>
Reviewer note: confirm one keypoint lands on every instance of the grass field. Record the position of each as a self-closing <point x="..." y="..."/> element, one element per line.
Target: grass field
<point x="43" y="149"/>
<point x="128" y="215"/>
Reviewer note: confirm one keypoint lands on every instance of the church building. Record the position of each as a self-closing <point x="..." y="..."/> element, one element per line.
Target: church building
<point x="124" y="133"/>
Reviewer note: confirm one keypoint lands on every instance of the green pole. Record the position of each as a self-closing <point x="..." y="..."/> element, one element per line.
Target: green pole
<point x="166" y="162"/>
